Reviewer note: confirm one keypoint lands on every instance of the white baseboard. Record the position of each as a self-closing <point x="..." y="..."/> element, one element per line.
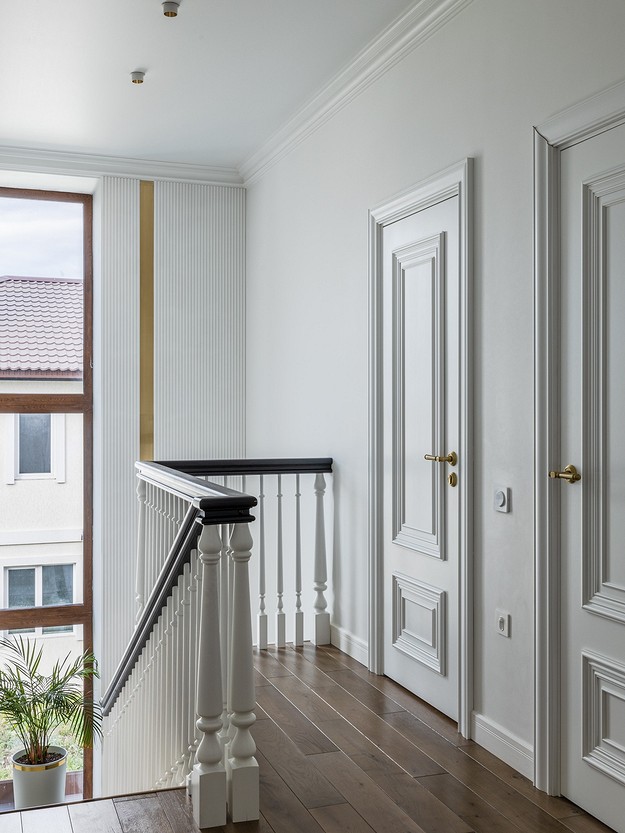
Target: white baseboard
<point x="503" y="744"/>
<point x="349" y="644"/>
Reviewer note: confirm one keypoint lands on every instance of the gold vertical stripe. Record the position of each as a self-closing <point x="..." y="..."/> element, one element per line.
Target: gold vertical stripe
<point x="146" y="325"/>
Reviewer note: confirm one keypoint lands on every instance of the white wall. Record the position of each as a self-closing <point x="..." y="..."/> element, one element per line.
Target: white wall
<point x="474" y="89"/>
<point x="116" y="417"/>
<point x="199" y="308"/>
<point x="199" y="326"/>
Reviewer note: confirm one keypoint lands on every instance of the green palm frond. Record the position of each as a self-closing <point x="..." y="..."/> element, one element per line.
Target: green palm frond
<point x="34" y="704"/>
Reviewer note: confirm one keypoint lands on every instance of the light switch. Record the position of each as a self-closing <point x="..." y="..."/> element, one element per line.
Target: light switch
<point x="501" y="499"/>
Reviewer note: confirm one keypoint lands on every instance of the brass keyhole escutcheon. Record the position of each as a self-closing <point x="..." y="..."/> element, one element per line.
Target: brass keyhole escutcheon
<point x="452" y="479"/>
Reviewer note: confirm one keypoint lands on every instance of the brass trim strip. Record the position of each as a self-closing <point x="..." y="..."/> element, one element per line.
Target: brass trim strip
<point x="146" y="323"/>
<point x="39" y="767"/>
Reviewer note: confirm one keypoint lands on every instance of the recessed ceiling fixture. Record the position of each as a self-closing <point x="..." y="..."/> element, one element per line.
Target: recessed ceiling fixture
<point x="170" y="9"/>
<point x="137" y="76"/>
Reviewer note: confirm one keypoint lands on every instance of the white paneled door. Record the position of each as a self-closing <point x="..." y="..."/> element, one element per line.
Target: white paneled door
<point x="592" y="431"/>
<point x="422" y="470"/>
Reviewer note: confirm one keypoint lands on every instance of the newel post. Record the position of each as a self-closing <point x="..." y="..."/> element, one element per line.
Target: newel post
<point x="208" y="779"/>
<point x="321" y="634"/>
<point x="243" y="782"/>
<point x="140" y="571"/>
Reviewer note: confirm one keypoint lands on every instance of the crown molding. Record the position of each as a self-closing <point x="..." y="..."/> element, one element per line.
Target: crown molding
<point x="599" y="112"/>
<point x="82" y="164"/>
<point x="410" y="30"/>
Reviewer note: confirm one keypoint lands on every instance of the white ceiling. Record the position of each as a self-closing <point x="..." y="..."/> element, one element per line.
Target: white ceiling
<point x="221" y="78"/>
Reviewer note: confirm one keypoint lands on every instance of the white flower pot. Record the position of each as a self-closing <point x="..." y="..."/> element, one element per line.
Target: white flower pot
<point x="37" y="784"/>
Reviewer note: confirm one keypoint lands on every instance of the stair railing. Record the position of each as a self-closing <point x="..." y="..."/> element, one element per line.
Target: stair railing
<point x="180" y="706"/>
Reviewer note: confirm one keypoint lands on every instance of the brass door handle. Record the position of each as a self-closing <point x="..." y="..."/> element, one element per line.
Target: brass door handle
<point x="570" y="474"/>
<point x="452" y="458"/>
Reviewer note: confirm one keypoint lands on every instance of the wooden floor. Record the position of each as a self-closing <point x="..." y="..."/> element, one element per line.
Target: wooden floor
<point x="343" y="751"/>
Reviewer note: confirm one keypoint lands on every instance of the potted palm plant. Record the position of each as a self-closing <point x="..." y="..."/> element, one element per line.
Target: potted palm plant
<point x="35" y="705"/>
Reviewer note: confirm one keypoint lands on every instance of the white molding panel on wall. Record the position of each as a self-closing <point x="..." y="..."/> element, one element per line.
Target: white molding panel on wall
<point x="199" y="321"/>
<point x="117" y="388"/>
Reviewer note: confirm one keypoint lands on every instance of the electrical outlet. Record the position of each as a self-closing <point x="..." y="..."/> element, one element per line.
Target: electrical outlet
<point x="503" y="623"/>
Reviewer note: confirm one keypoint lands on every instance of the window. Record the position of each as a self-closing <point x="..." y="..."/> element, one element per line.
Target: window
<point x="35" y="447"/>
<point x="35" y="455"/>
<point x="46" y="420"/>
<point x="43" y="585"/>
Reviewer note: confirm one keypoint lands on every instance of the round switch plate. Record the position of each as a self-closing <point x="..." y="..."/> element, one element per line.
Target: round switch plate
<point x="501" y="499"/>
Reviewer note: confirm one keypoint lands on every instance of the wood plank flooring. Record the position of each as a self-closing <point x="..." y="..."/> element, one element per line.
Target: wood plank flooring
<point x="343" y="751"/>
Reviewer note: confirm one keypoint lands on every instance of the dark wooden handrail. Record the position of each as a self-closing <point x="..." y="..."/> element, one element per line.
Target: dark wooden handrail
<point x="294" y="465"/>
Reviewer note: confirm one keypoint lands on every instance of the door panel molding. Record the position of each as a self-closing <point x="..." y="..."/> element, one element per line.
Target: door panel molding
<point x="457" y="180"/>
<point x="597" y="114"/>
<point x="423" y="640"/>
<point x="604" y="687"/>
<point x="600" y="595"/>
<point x="426" y="537"/>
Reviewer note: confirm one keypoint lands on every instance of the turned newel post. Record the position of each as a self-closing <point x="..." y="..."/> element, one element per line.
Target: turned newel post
<point x="208" y="779"/>
<point x="140" y="571"/>
<point x="242" y="766"/>
<point x="322" y="617"/>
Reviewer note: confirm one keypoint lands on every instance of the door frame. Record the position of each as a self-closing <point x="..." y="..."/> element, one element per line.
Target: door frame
<point x="457" y="180"/>
<point x="595" y="115"/>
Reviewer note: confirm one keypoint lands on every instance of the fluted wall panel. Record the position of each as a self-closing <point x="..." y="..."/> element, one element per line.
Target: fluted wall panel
<point x="117" y="414"/>
<point x="199" y="326"/>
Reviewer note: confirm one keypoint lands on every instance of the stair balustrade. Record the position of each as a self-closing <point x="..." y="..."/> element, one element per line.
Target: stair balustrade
<point x="180" y="707"/>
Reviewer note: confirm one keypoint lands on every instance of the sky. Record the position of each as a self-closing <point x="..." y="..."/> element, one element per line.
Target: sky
<point x="40" y="238"/>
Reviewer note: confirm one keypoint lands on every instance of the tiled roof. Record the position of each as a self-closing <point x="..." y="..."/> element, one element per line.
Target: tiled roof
<point x="41" y="323"/>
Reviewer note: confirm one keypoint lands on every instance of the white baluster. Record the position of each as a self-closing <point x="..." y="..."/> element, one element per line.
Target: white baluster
<point x="172" y="679"/>
<point x="242" y="766"/>
<point x="165" y="694"/>
<point x="158" y="694"/>
<point x="186" y="692"/>
<point x="224" y="609"/>
<point x="322" y="617"/>
<point x="299" y="613"/>
<point x="262" y="616"/>
<point x="208" y="780"/>
<point x="140" y="572"/>
<point x="196" y="584"/>
<point x="150" y="706"/>
<point x="150" y="539"/>
<point x="280" y="616"/>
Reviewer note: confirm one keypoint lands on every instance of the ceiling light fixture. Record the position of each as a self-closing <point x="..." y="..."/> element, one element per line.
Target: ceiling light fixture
<point x="137" y="76"/>
<point x="170" y="9"/>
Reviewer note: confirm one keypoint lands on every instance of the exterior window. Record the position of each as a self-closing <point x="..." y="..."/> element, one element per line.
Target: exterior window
<point x="22" y="587"/>
<point x="35" y="447"/>
<point x="46" y="585"/>
<point x="57" y="588"/>
<point x="35" y="456"/>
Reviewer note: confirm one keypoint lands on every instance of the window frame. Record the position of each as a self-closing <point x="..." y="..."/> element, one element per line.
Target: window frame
<point x="65" y="403"/>
<point x="57" y="452"/>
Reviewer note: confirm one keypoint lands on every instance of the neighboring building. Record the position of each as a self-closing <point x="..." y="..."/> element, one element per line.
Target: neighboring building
<point x="41" y="455"/>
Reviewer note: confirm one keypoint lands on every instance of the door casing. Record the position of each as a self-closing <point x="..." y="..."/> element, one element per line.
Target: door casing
<point x="457" y="180"/>
<point x="595" y="115"/>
